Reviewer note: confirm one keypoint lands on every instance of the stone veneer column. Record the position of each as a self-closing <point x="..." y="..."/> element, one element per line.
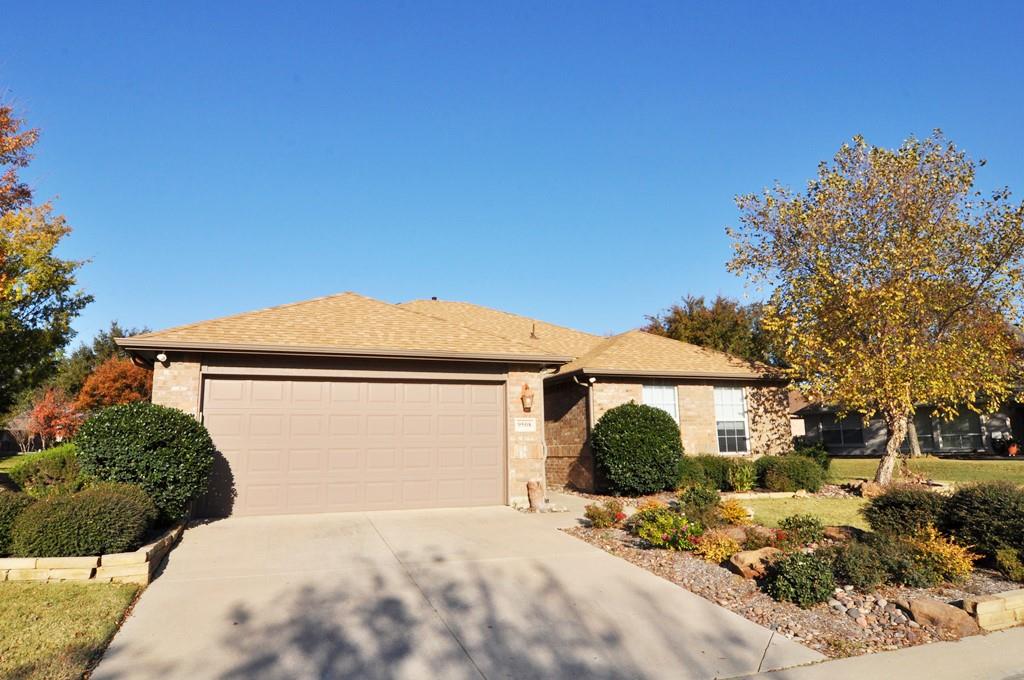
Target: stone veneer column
<point x="768" y="412"/>
<point x="525" y="449"/>
<point x="178" y="383"/>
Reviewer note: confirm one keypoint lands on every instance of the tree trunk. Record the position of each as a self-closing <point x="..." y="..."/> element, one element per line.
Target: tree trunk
<point x="915" y="446"/>
<point x="897" y="427"/>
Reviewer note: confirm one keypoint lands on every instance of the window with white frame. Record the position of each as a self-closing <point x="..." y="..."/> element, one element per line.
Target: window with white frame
<point x="663" y="397"/>
<point x="731" y="419"/>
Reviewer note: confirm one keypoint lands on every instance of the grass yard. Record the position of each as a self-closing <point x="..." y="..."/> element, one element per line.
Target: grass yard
<point x="831" y="511"/>
<point x="54" y="630"/>
<point x="7" y="461"/>
<point x="939" y="469"/>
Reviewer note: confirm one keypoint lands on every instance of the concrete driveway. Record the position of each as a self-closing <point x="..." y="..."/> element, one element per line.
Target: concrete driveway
<point x="469" y="593"/>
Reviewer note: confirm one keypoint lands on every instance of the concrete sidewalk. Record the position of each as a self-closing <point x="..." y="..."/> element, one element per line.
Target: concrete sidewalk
<point x="468" y="593"/>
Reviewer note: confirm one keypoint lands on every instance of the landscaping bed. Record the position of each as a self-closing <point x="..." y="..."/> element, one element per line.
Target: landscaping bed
<point x="827" y="628"/>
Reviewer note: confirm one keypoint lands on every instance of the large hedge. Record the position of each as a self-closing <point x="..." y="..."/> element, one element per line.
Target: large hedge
<point x="637" y="448"/>
<point x="986" y="516"/>
<point x="904" y="510"/>
<point x="11" y="505"/>
<point x="165" y="451"/>
<point x="54" y="471"/>
<point x="106" y="518"/>
<point x="789" y="473"/>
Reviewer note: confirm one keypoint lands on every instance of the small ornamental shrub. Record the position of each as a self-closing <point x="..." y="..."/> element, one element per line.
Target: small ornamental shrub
<point x="789" y="473"/>
<point x="986" y="516"/>
<point x="106" y="518"/>
<point x="857" y="564"/>
<point x="733" y="512"/>
<point x="716" y="546"/>
<point x="604" y="515"/>
<point x="758" y="538"/>
<point x="716" y="469"/>
<point x="942" y="556"/>
<point x="647" y="513"/>
<point x="802" y="529"/>
<point x="742" y="476"/>
<point x="801" y="578"/>
<point x="691" y="473"/>
<point x="1008" y="563"/>
<point x="54" y="471"/>
<point x="669" y="530"/>
<point x="904" y="510"/>
<point x="816" y="451"/>
<point x="165" y="451"/>
<point x="11" y="505"/>
<point x="903" y="562"/>
<point x="637" y="448"/>
<point x="700" y="504"/>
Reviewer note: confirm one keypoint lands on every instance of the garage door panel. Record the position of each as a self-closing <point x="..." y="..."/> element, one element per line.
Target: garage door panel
<point x="295" y="446"/>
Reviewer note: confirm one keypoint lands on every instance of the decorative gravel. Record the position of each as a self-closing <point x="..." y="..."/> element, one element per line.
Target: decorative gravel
<point x="849" y="624"/>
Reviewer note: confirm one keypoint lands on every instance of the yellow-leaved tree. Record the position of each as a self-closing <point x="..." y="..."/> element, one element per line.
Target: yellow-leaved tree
<point x="894" y="283"/>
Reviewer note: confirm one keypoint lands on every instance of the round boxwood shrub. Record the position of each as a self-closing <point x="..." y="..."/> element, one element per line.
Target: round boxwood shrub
<point x="637" y="448"/>
<point x="986" y="516"/>
<point x="801" y="578"/>
<point x="789" y="473"/>
<point x="11" y="505"/>
<point x="691" y="473"/>
<point x="904" y="510"/>
<point x="165" y="451"/>
<point x="717" y="469"/>
<point x="857" y="564"/>
<point x="54" y="471"/>
<point x="802" y="529"/>
<point x="106" y="518"/>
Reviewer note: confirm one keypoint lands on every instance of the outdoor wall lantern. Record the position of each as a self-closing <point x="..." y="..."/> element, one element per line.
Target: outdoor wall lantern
<point x="527" y="398"/>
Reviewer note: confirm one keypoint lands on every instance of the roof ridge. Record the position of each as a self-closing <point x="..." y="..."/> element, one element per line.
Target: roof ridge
<point x="505" y="313"/>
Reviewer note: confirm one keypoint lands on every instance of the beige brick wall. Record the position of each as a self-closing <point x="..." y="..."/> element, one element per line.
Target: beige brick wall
<point x="697" y="418"/>
<point x="771" y="432"/>
<point x="608" y="395"/>
<point x="177" y="383"/>
<point x="569" y="461"/>
<point x="525" y="449"/>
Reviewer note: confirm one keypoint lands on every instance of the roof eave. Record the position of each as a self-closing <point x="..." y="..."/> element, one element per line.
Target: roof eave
<point x="668" y="375"/>
<point x="135" y="344"/>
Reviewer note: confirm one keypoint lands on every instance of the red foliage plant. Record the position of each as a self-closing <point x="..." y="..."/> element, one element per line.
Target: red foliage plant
<point x="54" y="417"/>
<point x="115" y="381"/>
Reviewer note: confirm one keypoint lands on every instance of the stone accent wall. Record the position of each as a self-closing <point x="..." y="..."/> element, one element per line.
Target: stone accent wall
<point x="134" y="567"/>
<point x="570" y="461"/>
<point x="608" y="395"/>
<point x="771" y="432"/>
<point x="994" y="612"/>
<point x="525" y="449"/>
<point x="697" y="418"/>
<point x="178" y="383"/>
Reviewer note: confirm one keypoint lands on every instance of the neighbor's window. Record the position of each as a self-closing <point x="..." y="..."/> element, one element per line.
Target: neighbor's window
<point x="963" y="432"/>
<point x="731" y="419"/>
<point x="663" y="397"/>
<point x="848" y="431"/>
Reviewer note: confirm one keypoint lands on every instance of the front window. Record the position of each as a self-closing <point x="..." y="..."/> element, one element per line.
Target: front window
<point x="663" y="397"/>
<point x="731" y="419"/>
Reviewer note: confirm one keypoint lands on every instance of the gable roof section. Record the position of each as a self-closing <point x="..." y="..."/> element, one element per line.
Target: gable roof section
<point x="638" y="353"/>
<point x="342" y="324"/>
<point x="536" y="333"/>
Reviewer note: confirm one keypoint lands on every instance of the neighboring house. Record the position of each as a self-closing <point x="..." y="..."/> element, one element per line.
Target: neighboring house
<point x="968" y="432"/>
<point x="349" y="403"/>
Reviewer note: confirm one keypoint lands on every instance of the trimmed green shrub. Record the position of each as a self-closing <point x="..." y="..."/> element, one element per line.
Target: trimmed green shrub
<point x="903" y="562"/>
<point x="604" y="515"/>
<point x="11" y="505"/>
<point x="165" y="451"/>
<point x="742" y="476"/>
<point x="904" y="510"/>
<point x="857" y="564"/>
<point x="106" y="518"/>
<point x="816" y="451"/>
<point x="54" y="471"/>
<point x="801" y="578"/>
<point x="716" y="469"/>
<point x="986" y="516"/>
<point x="802" y="529"/>
<point x="637" y="449"/>
<point x="1009" y="564"/>
<point x="700" y="504"/>
<point x="668" y="530"/>
<point x="789" y="473"/>
<point x="691" y="473"/>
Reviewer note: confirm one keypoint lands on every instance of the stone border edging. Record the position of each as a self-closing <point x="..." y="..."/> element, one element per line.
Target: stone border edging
<point x="994" y="612"/>
<point x="131" y="567"/>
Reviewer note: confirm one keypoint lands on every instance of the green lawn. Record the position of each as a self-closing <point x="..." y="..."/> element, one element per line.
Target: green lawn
<point x="831" y="511"/>
<point x="7" y="461"/>
<point x="939" y="469"/>
<point x="55" y="630"/>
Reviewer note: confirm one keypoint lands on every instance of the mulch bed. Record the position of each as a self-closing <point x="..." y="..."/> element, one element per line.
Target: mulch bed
<point x="826" y="491"/>
<point x="830" y="628"/>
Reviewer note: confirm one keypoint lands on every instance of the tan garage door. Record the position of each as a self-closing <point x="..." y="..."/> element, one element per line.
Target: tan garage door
<point x="304" y="446"/>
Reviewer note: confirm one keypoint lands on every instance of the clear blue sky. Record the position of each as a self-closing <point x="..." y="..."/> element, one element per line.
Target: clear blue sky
<point x="572" y="161"/>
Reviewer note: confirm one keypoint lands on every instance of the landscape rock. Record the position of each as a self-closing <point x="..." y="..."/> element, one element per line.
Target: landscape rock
<point x="738" y="534"/>
<point x="752" y="563"/>
<point x="843" y="533"/>
<point x="945" y="617"/>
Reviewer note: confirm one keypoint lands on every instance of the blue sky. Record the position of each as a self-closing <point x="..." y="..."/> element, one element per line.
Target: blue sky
<point x="576" y="162"/>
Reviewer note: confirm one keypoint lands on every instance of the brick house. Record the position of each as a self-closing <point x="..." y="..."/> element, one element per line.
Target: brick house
<point x="349" y="403"/>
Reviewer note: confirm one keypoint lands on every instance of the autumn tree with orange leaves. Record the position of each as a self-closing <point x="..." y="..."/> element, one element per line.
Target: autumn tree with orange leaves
<point x="54" y="417"/>
<point x="894" y="282"/>
<point x="115" y="381"/>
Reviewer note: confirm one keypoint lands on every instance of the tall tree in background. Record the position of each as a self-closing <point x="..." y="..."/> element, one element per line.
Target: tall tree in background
<point x="74" y="368"/>
<point x="725" y="325"/>
<point x="893" y="281"/>
<point x="115" y="381"/>
<point x="38" y="299"/>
